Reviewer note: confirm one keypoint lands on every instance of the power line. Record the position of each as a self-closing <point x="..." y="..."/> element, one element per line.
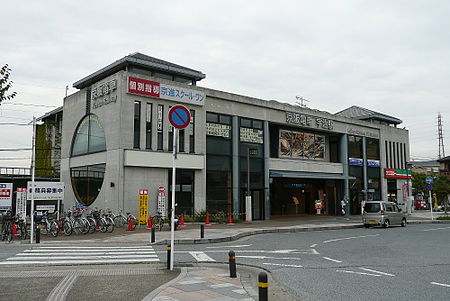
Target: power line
<point x="14" y="123"/>
<point x="29" y="105"/>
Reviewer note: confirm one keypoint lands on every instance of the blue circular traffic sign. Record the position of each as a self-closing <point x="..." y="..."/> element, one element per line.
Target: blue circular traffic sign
<point x="428" y="187"/>
<point x="179" y="116"/>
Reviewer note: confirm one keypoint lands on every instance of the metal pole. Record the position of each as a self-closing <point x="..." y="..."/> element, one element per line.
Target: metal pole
<point x="248" y="171"/>
<point x="172" y="218"/>
<point x="263" y="286"/>
<point x="431" y="203"/>
<point x="33" y="167"/>
<point x="232" y="263"/>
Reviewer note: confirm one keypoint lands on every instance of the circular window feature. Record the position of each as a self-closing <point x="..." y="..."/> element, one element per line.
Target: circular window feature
<point x="87" y="182"/>
<point x="89" y="136"/>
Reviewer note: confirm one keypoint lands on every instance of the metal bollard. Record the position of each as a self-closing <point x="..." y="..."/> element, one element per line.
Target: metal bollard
<point x="232" y="264"/>
<point x="38" y="235"/>
<point x="263" y="286"/>
<point x="202" y="231"/>
<point x="168" y="248"/>
<point x="153" y="235"/>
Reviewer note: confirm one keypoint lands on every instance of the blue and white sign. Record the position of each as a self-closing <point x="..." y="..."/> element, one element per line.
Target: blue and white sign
<point x="355" y="161"/>
<point x="373" y="163"/>
<point x="429" y="180"/>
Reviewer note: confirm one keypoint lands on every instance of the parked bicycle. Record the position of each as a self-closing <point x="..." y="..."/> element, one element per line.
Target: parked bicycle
<point x="48" y="224"/>
<point x="6" y="226"/>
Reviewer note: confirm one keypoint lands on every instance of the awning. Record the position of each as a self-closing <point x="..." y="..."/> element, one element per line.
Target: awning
<point x="307" y="175"/>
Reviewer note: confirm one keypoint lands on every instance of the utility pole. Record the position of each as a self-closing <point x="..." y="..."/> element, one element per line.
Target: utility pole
<point x="440" y="137"/>
<point x="301" y="101"/>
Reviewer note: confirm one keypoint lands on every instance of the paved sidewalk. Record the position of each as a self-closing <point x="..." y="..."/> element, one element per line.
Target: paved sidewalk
<point x="223" y="232"/>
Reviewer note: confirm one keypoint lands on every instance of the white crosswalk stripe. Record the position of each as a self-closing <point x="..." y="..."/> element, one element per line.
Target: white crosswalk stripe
<point x="74" y="255"/>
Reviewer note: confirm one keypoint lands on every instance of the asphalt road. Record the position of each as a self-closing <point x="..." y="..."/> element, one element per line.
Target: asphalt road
<point x="411" y="263"/>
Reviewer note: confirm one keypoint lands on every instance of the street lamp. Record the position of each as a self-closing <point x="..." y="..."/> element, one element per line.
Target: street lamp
<point x="248" y="197"/>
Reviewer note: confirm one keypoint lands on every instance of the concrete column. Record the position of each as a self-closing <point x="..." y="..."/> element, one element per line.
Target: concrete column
<point x="266" y="171"/>
<point x="235" y="164"/>
<point x="343" y="151"/>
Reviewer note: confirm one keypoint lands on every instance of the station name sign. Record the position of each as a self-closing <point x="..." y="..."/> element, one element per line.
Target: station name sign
<point x="101" y="94"/>
<point x="309" y="121"/>
<point x="149" y="88"/>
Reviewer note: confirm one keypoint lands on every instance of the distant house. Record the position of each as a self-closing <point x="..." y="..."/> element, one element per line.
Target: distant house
<point x="444" y="168"/>
<point x="430" y="167"/>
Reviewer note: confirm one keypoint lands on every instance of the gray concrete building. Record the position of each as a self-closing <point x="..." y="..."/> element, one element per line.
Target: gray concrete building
<point x="117" y="141"/>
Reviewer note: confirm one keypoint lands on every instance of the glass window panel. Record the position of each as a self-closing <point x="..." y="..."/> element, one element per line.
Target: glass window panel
<point x="87" y="182"/>
<point x="246" y="123"/>
<point x="225" y="119"/>
<point x="212" y="117"/>
<point x="257" y="124"/>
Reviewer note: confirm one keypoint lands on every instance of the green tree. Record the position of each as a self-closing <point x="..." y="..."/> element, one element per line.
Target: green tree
<point x="441" y="187"/>
<point x="5" y="84"/>
<point x="418" y="182"/>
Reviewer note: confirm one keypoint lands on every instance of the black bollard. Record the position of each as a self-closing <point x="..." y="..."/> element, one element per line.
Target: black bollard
<point x="263" y="286"/>
<point x="153" y="235"/>
<point x="38" y="235"/>
<point x="232" y="264"/>
<point x="168" y="256"/>
<point x="202" y="231"/>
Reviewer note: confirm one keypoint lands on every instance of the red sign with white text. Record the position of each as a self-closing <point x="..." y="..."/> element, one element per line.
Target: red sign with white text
<point x="143" y="87"/>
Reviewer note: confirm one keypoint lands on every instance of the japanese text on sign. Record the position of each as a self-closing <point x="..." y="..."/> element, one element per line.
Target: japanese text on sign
<point x="155" y="89"/>
<point x="143" y="206"/>
<point x="307" y="120"/>
<point x="5" y="196"/>
<point x="46" y="190"/>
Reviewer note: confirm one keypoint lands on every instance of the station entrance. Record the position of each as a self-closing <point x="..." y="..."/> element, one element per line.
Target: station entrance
<point x="297" y="196"/>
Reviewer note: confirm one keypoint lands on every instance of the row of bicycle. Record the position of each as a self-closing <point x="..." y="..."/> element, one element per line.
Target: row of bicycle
<point x="73" y="221"/>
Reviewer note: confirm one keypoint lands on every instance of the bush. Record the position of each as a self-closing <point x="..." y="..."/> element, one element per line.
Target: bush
<point x="442" y="218"/>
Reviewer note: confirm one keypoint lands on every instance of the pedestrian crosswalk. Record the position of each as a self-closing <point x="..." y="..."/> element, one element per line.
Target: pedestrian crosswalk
<point x="77" y="255"/>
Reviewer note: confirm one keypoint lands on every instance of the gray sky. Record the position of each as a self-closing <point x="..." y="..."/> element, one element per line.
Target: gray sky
<point x="388" y="56"/>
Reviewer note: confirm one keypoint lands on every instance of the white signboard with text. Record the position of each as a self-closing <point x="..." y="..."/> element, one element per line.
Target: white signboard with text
<point x="21" y="202"/>
<point x="6" y="196"/>
<point x="46" y="190"/>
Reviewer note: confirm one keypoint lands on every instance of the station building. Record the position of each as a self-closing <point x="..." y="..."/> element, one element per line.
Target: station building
<point x="116" y="140"/>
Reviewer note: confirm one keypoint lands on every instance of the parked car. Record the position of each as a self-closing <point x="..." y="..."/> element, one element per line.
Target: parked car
<point x="379" y="213"/>
<point x="420" y="204"/>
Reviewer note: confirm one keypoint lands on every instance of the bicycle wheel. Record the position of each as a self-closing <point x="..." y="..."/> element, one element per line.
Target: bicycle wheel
<point x="118" y="221"/>
<point x="109" y="225"/>
<point x="53" y="229"/>
<point x="102" y="225"/>
<point x="91" y="225"/>
<point x="67" y="228"/>
<point x="23" y="231"/>
<point x="78" y="226"/>
<point x="85" y="228"/>
<point x="9" y="233"/>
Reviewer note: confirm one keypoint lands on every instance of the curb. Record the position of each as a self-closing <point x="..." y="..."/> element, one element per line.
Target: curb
<point x="255" y="232"/>
<point x="156" y="291"/>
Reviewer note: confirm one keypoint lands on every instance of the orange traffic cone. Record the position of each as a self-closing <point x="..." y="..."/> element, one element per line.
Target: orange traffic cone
<point x="207" y="223"/>
<point x="182" y="221"/>
<point x="130" y="224"/>
<point x="230" y="219"/>
<point x="149" y="223"/>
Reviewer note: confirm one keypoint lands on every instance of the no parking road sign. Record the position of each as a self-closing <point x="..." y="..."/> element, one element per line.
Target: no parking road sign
<point x="179" y="117"/>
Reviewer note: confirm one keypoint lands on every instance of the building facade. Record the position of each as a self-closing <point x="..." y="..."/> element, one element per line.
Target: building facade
<point x="117" y="140"/>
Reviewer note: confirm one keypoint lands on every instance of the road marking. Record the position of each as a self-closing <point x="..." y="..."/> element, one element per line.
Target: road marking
<point x="77" y="262"/>
<point x="305" y="251"/>
<point x="436" y="229"/>
<point x="374" y="271"/>
<point x="267" y="257"/>
<point x="360" y="273"/>
<point x="201" y="256"/>
<point x="60" y="291"/>
<point x="313" y="246"/>
<point x="82" y="255"/>
<point x="83" y="247"/>
<point x="283" y="265"/>
<point x="331" y="259"/>
<point x="239" y="246"/>
<point x="440" y="284"/>
<point x="347" y="238"/>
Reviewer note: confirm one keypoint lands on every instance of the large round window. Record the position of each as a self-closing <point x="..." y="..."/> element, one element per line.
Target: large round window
<point x="87" y="182"/>
<point x="89" y="136"/>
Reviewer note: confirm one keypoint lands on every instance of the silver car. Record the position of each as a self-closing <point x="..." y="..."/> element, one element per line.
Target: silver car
<point x="378" y="213"/>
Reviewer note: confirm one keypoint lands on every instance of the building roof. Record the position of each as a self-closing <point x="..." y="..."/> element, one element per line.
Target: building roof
<point x="142" y="61"/>
<point x="357" y="112"/>
<point x="48" y="114"/>
<point x="429" y="163"/>
<point x="445" y="159"/>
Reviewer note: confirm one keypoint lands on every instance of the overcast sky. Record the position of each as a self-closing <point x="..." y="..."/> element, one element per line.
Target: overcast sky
<point x="389" y="56"/>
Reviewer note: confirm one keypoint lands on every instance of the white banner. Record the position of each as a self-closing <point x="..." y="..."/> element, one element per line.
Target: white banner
<point x="21" y="202"/>
<point x="46" y="191"/>
<point x="6" y="196"/>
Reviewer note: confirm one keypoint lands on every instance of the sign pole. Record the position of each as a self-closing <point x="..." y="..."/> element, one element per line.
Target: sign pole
<point x="33" y="163"/>
<point x="431" y="203"/>
<point x="172" y="216"/>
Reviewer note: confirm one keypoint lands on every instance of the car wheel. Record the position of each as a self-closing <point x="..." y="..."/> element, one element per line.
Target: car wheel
<point x="366" y="225"/>
<point x="386" y="224"/>
<point x="403" y="223"/>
